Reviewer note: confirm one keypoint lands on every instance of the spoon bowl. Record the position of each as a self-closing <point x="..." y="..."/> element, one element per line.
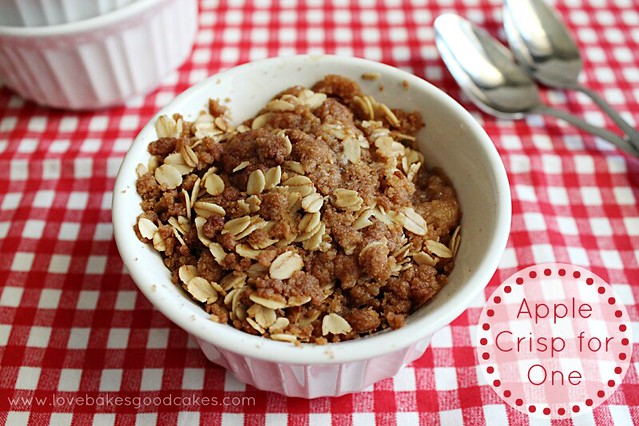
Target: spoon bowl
<point x="487" y="72"/>
<point x="485" y="69"/>
<point x="542" y="43"/>
<point x="544" y="46"/>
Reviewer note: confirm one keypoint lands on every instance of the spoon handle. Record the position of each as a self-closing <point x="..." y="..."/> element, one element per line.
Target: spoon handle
<point x="595" y="130"/>
<point x="633" y="135"/>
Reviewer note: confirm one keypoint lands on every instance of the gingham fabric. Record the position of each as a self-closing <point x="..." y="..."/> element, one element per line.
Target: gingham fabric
<point x="74" y="328"/>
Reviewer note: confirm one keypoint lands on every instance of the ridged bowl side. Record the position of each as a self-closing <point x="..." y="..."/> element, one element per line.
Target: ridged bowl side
<point x="94" y="70"/>
<point x="313" y="380"/>
<point x="35" y="13"/>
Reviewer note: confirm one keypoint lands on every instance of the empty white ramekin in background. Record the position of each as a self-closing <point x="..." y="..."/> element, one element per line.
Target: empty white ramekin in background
<point x="34" y="13"/>
<point x="101" y="61"/>
<point x="452" y="140"/>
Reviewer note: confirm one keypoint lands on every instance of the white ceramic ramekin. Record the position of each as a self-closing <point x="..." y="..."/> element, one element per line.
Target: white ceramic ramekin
<point x="452" y="139"/>
<point x="34" y="13"/>
<point x="101" y="61"/>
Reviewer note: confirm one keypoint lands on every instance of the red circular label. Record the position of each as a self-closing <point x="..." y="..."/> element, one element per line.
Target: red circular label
<point x="554" y="341"/>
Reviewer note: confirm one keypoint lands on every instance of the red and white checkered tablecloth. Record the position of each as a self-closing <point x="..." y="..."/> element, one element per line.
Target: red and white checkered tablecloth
<point x="75" y="333"/>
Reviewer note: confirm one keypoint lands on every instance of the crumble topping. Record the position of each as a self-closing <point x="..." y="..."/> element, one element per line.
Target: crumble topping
<point x="314" y="221"/>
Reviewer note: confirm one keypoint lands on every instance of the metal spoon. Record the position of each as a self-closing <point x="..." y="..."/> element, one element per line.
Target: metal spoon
<point x="543" y="45"/>
<point x="487" y="72"/>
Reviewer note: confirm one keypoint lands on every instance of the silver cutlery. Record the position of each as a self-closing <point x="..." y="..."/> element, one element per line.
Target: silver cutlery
<point x="544" y="46"/>
<point x="487" y="72"/>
